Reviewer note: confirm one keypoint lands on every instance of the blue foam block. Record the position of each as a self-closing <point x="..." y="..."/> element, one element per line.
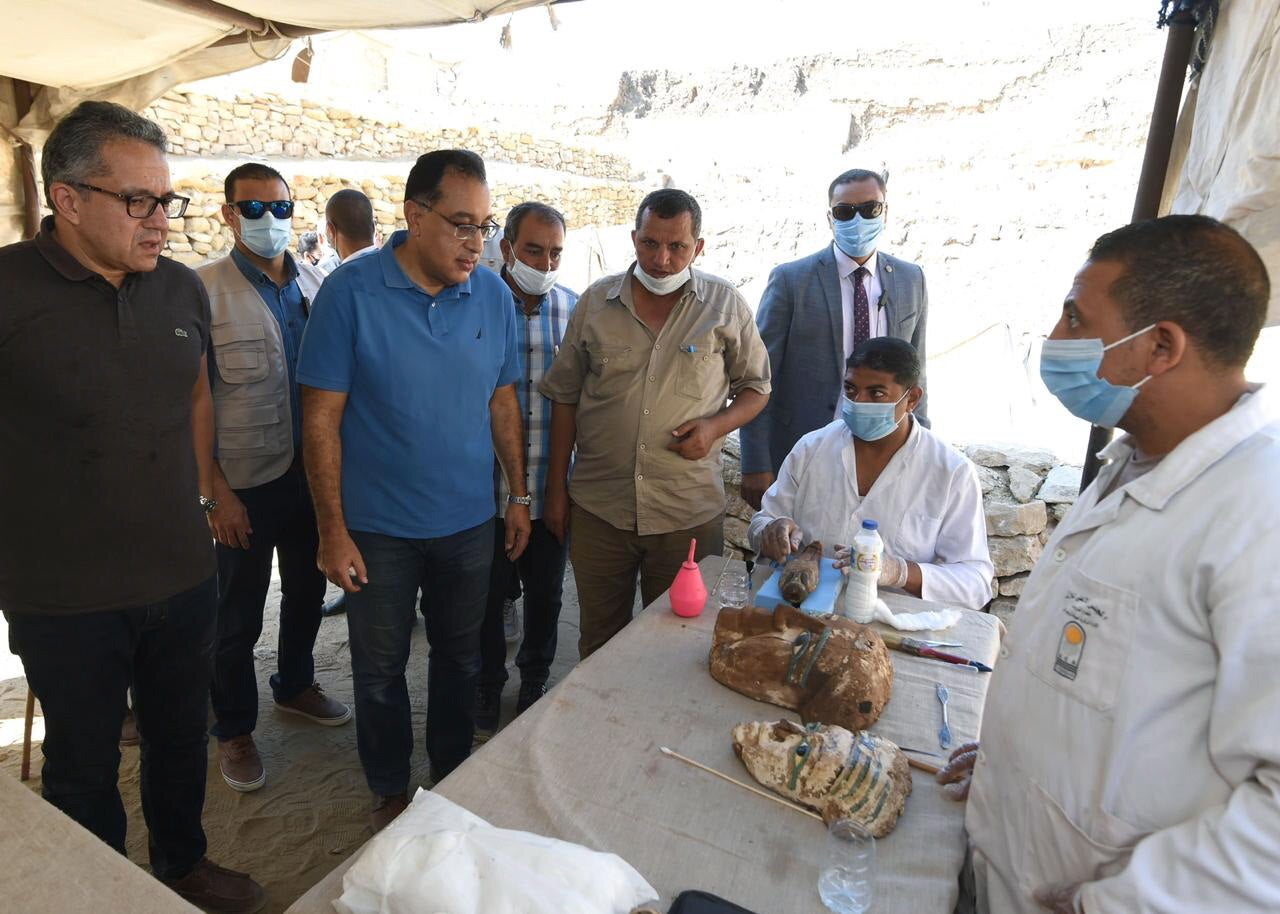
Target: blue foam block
<point x="822" y="600"/>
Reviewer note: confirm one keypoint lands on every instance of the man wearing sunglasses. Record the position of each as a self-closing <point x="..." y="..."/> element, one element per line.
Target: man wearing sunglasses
<point x="409" y="368"/>
<point x="816" y="310"/>
<point x="106" y="570"/>
<point x="261" y="509"/>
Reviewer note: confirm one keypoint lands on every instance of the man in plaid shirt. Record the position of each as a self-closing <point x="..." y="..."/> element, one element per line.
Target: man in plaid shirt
<point x="532" y="242"/>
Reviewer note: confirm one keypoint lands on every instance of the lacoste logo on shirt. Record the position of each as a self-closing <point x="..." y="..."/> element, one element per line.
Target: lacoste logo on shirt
<point x="178" y="331"/>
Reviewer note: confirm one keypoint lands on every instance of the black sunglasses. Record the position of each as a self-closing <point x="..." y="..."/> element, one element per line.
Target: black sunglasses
<point x="253" y="209"/>
<point x="872" y="209"/>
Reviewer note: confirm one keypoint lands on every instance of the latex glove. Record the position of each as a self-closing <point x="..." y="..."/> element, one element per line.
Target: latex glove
<point x="781" y="538"/>
<point x="893" y="571"/>
<point x="958" y="773"/>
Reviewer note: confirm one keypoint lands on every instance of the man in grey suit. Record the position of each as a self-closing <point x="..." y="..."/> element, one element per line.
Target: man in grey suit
<point x="815" y="310"/>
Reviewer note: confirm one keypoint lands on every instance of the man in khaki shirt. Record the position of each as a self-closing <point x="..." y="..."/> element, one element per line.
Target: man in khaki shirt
<point x="640" y="387"/>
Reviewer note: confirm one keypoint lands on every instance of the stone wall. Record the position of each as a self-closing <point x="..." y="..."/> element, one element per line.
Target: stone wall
<point x="1025" y="492"/>
<point x="271" y="127"/>
<point x="201" y="233"/>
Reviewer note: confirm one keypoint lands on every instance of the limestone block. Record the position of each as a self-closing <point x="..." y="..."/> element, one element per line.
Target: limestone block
<point x="1003" y="609"/>
<point x="989" y="455"/>
<point x="1023" y="483"/>
<point x="1058" y="511"/>
<point x="304" y="191"/>
<point x="1011" y="519"/>
<point x="273" y="148"/>
<point x="242" y="111"/>
<point x="179" y="247"/>
<point x="325" y="146"/>
<point x="1061" y="486"/>
<point x="210" y="133"/>
<point x="294" y="150"/>
<point x="1014" y="554"/>
<point x="201" y="247"/>
<point x="199" y="237"/>
<point x="189" y="132"/>
<point x="1013" y="586"/>
<point x="991" y="479"/>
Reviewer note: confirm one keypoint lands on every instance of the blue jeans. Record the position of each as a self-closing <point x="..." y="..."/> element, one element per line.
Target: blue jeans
<point x="453" y="573"/>
<point x="80" y="667"/>
<point x="540" y="569"/>
<point x="284" y="524"/>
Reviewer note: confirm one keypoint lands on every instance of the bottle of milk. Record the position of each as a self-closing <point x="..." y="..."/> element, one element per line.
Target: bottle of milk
<point x="859" y="602"/>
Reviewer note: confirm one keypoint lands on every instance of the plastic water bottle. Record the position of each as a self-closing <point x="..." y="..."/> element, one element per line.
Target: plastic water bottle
<point x="846" y="884"/>
<point x="859" y="603"/>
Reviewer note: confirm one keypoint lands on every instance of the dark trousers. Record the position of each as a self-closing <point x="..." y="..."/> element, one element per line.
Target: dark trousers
<point x="283" y="523"/>
<point x="540" y="569"/>
<point x="607" y="560"/>
<point x="453" y="573"/>
<point x="80" y="667"/>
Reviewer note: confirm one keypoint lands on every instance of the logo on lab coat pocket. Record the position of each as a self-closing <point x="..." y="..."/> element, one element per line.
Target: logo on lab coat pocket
<point x="1070" y="650"/>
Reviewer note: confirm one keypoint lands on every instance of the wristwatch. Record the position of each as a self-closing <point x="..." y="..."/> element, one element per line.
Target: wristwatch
<point x="208" y="504"/>
<point x="526" y="500"/>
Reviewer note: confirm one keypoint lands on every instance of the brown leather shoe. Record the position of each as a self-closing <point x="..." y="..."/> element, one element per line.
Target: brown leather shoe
<point x="387" y="808"/>
<point x="219" y="890"/>
<point x="240" y="764"/>
<point x="316" y="706"/>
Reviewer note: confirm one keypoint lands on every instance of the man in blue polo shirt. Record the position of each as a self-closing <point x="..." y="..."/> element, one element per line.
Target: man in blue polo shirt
<point x="408" y="367"/>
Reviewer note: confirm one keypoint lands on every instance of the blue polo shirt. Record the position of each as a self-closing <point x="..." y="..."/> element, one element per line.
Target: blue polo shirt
<point x="418" y="371"/>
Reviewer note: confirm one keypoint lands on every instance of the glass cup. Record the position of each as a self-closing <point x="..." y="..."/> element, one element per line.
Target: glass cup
<point x="847" y="881"/>
<point x="733" y="591"/>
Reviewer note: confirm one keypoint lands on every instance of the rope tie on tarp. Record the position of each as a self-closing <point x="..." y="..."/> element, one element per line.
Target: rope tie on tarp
<point x="1205" y="15"/>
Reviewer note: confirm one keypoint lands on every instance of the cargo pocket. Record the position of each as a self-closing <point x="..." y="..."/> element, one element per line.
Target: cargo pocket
<point x="240" y="351"/>
<point x="611" y="369"/>
<point x="248" y="428"/>
<point x="700" y="372"/>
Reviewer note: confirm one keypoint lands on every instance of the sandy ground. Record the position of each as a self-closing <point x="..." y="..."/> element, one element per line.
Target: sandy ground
<point x="313" y="812"/>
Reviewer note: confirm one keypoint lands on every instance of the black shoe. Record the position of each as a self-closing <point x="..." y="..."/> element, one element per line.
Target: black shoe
<point x="529" y="693"/>
<point x="488" y="704"/>
<point x="335" y="607"/>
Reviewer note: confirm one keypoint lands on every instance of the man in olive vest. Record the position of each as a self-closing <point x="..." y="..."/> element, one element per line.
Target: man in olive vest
<point x="260" y="297"/>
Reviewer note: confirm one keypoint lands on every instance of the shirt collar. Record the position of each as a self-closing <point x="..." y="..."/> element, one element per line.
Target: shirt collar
<point x="59" y="257"/>
<point x="367" y="249"/>
<point x="1198" y="451"/>
<point x="396" y="278"/>
<point x="845" y="265"/>
<point x="256" y="276"/>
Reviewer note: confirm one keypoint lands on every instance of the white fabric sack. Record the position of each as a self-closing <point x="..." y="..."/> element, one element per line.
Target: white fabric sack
<point x="438" y="858"/>
<point x="935" y="620"/>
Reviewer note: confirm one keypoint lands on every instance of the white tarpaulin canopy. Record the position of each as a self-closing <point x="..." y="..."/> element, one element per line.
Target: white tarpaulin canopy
<point x="82" y="44"/>
<point x="1226" y="161"/>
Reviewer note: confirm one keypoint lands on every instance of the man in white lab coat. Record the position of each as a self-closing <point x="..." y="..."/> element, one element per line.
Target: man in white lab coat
<point x="1130" y="753"/>
<point x="876" y="462"/>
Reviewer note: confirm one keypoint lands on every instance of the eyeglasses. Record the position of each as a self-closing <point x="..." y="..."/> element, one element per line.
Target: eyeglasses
<point x="465" y="231"/>
<point x="254" y="209"/>
<point x="140" y="206"/>
<point x="872" y="209"/>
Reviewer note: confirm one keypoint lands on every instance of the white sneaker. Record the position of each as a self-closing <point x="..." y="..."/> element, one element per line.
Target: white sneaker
<point x="511" y="621"/>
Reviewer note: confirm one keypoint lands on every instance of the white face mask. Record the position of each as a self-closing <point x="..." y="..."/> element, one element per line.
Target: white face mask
<point x="664" y="286"/>
<point x="531" y="281"/>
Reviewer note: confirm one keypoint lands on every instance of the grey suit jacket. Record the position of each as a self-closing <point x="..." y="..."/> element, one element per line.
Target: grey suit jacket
<point x="802" y="324"/>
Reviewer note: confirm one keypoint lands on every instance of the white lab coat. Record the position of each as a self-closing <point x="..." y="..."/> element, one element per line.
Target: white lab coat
<point x="1143" y="759"/>
<point x="927" y="501"/>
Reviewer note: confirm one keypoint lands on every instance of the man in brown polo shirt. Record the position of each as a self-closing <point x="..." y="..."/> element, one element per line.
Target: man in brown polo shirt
<point x="106" y="561"/>
<point x="640" y="387"/>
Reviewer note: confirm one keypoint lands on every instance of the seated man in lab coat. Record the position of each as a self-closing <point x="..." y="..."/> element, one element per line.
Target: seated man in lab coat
<point x="1130" y="753"/>
<point x="878" y="463"/>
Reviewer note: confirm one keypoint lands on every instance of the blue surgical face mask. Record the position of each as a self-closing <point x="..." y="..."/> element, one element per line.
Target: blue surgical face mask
<point x="870" y="421"/>
<point x="1069" y="368"/>
<point x="266" y="236"/>
<point x="857" y="236"/>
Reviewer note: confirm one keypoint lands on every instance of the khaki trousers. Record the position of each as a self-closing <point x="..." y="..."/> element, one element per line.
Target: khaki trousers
<point x="606" y="561"/>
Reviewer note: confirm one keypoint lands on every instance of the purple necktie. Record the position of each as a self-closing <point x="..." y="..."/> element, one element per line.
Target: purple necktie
<point x="861" y="307"/>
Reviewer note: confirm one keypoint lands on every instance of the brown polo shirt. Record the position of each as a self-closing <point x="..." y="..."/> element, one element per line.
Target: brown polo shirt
<point x="98" y="485"/>
<point x="633" y="388"/>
